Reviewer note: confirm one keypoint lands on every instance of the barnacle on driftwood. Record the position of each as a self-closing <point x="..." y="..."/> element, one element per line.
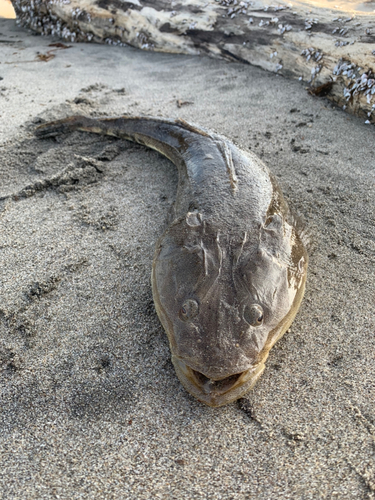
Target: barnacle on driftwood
<point x="332" y="51"/>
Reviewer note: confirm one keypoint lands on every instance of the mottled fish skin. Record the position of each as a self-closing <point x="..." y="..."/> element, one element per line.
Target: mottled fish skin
<point x="229" y="272"/>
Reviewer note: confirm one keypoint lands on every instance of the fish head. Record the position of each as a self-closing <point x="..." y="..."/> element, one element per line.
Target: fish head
<point x="224" y="299"/>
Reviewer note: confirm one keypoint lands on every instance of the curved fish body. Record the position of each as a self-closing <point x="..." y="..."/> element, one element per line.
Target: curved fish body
<point x="229" y="272"/>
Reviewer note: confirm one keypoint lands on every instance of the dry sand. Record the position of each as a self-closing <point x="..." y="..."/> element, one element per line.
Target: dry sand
<point x="90" y="405"/>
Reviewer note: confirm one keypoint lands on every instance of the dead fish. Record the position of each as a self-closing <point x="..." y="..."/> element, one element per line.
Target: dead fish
<point x="229" y="272"/>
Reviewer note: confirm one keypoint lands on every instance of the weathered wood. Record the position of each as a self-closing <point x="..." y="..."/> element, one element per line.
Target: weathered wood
<point x="332" y="51"/>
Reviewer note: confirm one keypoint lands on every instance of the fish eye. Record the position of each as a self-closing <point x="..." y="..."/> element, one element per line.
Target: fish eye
<point x="253" y="315"/>
<point x="189" y="309"/>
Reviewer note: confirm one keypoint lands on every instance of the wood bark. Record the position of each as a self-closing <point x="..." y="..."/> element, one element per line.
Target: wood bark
<point x="333" y="52"/>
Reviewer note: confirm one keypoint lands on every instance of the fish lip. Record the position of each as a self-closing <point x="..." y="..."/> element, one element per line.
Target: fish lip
<point x="216" y="393"/>
<point x="220" y="386"/>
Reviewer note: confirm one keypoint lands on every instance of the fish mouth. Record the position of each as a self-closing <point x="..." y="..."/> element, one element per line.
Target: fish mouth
<point x="216" y="392"/>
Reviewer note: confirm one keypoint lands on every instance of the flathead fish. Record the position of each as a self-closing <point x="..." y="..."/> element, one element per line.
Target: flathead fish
<point x="229" y="272"/>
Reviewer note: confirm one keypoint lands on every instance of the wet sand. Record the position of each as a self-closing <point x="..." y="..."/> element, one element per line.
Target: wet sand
<point x="90" y="404"/>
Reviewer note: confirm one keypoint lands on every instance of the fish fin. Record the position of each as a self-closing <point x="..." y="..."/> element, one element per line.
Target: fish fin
<point x="191" y="128"/>
<point x="227" y="157"/>
<point x="301" y="230"/>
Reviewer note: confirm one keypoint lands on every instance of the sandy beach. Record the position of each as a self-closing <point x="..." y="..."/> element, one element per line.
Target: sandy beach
<point x="90" y="404"/>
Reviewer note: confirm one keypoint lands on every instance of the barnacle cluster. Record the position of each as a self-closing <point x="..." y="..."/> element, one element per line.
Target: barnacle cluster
<point x="144" y="42"/>
<point x="342" y="31"/>
<point x="38" y="15"/>
<point x="314" y="55"/>
<point x="235" y="7"/>
<point x="309" y="23"/>
<point x="275" y="21"/>
<point x="282" y="28"/>
<point x="311" y="53"/>
<point x="359" y="82"/>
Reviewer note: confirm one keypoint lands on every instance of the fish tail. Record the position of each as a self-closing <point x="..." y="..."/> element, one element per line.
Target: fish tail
<point x="64" y="126"/>
<point x="173" y="139"/>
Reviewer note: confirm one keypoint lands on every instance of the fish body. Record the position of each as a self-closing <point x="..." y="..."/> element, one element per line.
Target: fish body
<point x="229" y="272"/>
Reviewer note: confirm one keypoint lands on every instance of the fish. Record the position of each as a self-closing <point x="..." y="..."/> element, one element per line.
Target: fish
<point x="229" y="271"/>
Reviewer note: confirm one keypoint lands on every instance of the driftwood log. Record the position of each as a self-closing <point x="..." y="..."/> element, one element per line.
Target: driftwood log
<point x="332" y="51"/>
